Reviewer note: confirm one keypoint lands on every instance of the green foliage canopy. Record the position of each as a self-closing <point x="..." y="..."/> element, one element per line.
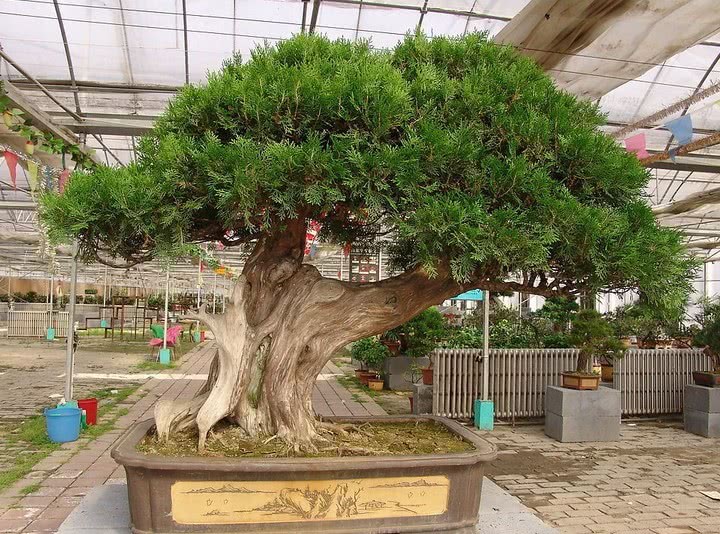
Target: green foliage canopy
<point x="460" y="147"/>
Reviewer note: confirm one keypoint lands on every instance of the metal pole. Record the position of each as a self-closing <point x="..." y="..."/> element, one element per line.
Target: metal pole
<point x="486" y="346"/>
<point x="105" y="287"/>
<point x="167" y="302"/>
<point x="214" y="291"/>
<point x="50" y="297"/>
<point x="70" y="353"/>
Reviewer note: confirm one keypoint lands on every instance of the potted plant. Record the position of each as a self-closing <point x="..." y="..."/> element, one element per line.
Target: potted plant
<point x="709" y="337"/>
<point x="375" y="354"/>
<point x="391" y="339"/>
<point x="595" y="339"/>
<point x="412" y="144"/>
<point x="427" y="374"/>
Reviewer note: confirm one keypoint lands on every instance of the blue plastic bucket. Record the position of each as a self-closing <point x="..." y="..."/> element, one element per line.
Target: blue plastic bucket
<point x="63" y="424"/>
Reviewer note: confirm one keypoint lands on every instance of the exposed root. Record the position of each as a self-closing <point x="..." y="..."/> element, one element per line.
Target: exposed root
<point x="174" y="416"/>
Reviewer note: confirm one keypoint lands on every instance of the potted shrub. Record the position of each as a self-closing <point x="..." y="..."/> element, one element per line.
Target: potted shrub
<point x="375" y="355"/>
<point x="595" y="339"/>
<point x="391" y="339"/>
<point x="428" y="144"/>
<point x="709" y="337"/>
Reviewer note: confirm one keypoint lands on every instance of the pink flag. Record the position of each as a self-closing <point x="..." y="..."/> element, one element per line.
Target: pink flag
<point x="62" y="179"/>
<point x="11" y="159"/>
<point x="636" y="144"/>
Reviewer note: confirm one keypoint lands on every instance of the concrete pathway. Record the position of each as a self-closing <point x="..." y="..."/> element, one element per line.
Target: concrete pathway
<point x="653" y="481"/>
<point x="71" y="472"/>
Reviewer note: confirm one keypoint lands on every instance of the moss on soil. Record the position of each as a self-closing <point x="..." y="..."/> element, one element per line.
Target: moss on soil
<point x="369" y="439"/>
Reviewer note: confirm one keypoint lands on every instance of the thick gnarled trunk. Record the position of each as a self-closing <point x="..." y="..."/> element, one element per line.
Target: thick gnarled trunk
<point x="283" y="324"/>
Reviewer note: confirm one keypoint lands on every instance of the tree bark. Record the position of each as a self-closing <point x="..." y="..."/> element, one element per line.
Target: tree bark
<point x="283" y="324"/>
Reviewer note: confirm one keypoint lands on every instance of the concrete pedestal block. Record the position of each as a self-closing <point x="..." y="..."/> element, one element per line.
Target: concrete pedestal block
<point x="577" y="416"/>
<point x="701" y="411"/>
<point x="397" y="371"/>
<point x="422" y="399"/>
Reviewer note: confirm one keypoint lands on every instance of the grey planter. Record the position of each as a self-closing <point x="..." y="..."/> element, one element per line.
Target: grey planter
<point x="701" y="410"/>
<point x="422" y="399"/>
<point x="396" y="371"/>
<point x="578" y="416"/>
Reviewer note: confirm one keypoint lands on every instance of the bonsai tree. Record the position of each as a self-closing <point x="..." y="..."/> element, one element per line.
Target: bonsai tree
<point x="376" y="355"/>
<point x="459" y="150"/>
<point x="423" y="332"/>
<point x="709" y="334"/>
<point x="648" y="323"/>
<point x="595" y="338"/>
<point x="370" y="352"/>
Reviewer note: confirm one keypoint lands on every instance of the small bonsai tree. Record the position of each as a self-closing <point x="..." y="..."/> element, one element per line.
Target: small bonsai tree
<point x="461" y="151"/>
<point x="648" y="323"/>
<point x="423" y="332"/>
<point x="709" y="334"/>
<point x="370" y="352"/>
<point x="595" y="338"/>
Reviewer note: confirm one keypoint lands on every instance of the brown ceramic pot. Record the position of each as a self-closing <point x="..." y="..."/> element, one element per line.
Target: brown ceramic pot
<point x="427" y="376"/>
<point x="575" y="381"/>
<point x="366" y="494"/>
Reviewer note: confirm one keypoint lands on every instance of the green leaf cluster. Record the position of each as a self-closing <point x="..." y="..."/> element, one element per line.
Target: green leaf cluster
<point x="370" y="352"/>
<point x="461" y="148"/>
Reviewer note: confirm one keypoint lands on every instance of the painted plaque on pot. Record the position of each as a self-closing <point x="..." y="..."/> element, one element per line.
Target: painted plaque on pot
<point x="223" y="502"/>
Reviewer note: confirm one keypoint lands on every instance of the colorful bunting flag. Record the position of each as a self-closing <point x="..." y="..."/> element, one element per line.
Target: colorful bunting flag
<point x="11" y="159"/>
<point x="32" y="175"/>
<point x="636" y="144"/>
<point x="682" y="129"/>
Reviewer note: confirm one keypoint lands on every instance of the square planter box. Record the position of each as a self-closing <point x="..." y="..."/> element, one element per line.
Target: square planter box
<point x="396" y="369"/>
<point x="578" y="416"/>
<point x="358" y="494"/>
<point x="701" y="410"/>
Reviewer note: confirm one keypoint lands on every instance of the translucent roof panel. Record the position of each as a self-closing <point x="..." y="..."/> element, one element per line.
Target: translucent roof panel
<point x="130" y="56"/>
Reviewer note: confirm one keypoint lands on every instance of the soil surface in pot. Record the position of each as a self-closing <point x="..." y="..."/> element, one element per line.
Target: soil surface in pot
<point x="368" y="439"/>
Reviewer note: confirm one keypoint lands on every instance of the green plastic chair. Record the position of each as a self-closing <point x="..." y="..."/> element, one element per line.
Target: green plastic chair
<point x="157" y="330"/>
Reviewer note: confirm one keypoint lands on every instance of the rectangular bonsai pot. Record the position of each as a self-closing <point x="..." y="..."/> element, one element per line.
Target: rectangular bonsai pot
<point x="353" y="494"/>
<point x="582" y="382"/>
<point x="707" y="379"/>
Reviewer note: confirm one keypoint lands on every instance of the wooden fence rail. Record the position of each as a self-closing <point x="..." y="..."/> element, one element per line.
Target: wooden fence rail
<point x="651" y="380"/>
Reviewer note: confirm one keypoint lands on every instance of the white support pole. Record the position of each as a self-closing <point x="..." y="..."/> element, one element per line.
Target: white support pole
<point x="70" y="352"/>
<point x="167" y="303"/>
<point x="105" y="279"/>
<point x="379" y="265"/>
<point x="486" y="346"/>
<point x="214" y="291"/>
<point x="50" y="297"/>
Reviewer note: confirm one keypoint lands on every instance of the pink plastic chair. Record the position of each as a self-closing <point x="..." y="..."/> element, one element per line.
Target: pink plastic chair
<point x="173" y="333"/>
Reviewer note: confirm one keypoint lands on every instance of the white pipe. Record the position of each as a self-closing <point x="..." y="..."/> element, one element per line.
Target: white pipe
<point x="167" y="296"/>
<point x="486" y="346"/>
<point x="70" y="352"/>
<point x="214" y="291"/>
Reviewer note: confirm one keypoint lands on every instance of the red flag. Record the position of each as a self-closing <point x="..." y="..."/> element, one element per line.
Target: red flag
<point x="62" y="179"/>
<point x="12" y="160"/>
<point x="636" y="144"/>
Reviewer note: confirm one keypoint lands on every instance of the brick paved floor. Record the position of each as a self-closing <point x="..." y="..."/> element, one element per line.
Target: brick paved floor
<point x="69" y="473"/>
<point x="647" y="483"/>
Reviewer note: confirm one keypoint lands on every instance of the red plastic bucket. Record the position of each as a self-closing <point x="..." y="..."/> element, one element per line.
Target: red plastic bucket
<point x="91" y="407"/>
